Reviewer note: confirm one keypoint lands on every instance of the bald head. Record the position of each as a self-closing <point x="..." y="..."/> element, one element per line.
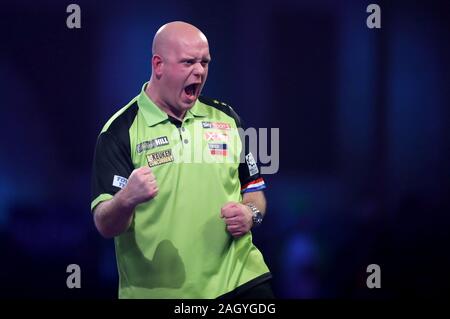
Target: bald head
<point x="174" y="33"/>
<point x="179" y="67"/>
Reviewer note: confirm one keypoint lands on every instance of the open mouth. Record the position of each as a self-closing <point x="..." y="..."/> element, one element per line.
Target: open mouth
<point x="192" y="90"/>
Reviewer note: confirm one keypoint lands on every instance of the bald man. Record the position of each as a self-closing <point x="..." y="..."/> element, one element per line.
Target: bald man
<point x="181" y="229"/>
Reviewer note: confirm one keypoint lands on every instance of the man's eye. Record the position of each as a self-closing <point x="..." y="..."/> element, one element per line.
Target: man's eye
<point x="188" y="62"/>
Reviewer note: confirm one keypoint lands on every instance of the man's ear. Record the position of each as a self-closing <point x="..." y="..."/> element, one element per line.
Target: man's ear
<point x="157" y="65"/>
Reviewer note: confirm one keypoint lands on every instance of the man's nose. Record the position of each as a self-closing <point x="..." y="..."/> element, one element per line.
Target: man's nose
<point x="199" y="69"/>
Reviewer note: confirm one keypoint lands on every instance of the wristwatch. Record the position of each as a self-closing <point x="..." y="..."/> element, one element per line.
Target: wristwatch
<point x="257" y="216"/>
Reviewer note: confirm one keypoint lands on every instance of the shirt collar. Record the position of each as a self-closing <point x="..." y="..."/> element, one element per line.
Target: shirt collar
<point x="154" y="115"/>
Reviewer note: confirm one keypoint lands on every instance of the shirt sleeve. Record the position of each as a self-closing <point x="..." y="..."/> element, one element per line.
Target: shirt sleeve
<point x="251" y="180"/>
<point x="249" y="176"/>
<point x="111" y="168"/>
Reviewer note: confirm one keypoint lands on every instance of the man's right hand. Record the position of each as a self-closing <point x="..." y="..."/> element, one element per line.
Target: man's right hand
<point x="141" y="186"/>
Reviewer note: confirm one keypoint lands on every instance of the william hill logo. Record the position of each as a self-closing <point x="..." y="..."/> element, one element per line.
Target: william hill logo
<point x="148" y="145"/>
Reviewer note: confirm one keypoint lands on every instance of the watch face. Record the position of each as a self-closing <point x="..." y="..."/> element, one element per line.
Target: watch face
<point x="257" y="218"/>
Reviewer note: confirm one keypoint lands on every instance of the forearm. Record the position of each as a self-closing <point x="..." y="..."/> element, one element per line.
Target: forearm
<point x="257" y="198"/>
<point x="114" y="216"/>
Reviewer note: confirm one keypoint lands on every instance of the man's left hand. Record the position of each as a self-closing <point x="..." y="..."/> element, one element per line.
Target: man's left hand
<point x="237" y="217"/>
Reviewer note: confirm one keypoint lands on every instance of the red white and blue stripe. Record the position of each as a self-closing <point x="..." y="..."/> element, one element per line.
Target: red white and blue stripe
<point x="256" y="185"/>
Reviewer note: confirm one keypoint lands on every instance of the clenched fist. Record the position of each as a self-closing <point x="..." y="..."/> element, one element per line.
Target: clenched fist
<point x="237" y="217"/>
<point x="141" y="186"/>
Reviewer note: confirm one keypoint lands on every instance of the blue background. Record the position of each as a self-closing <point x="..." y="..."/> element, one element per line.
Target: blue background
<point x="364" y="136"/>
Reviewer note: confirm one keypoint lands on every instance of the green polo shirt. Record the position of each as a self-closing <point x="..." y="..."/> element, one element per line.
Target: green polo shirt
<point x="177" y="245"/>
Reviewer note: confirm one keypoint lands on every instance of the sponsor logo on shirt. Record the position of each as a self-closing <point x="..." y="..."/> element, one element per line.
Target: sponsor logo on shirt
<point x="218" y="149"/>
<point x="148" y="145"/>
<point x="216" y="136"/>
<point x="119" y="181"/>
<point x="251" y="164"/>
<point x="158" y="158"/>
<point x="216" y="125"/>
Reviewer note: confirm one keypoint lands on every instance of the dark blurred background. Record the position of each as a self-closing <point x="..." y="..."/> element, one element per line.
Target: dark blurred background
<point x="363" y="114"/>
